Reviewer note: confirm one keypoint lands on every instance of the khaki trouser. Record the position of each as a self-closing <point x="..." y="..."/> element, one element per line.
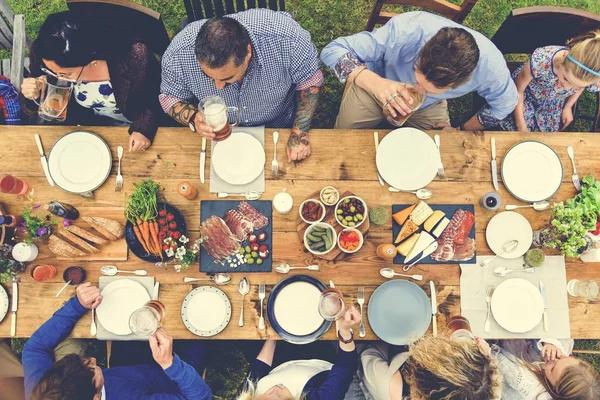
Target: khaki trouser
<point x="69" y="346"/>
<point x="11" y="374"/>
<point x="361" y="110"/>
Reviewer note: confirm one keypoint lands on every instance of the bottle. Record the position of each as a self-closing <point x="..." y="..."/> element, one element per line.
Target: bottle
<point x="9" y="220"/>
<point x="62" y="210"/>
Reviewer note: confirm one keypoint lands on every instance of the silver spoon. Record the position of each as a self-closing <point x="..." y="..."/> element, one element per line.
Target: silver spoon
<point x="507" y="248"/>
<point x="63" y="288"/>
<point x="219" y="279"/>
<point x="389" y="273"/>
<point x="537" y="206"/>
<point x="285" y="268"/>
<point x="503" y="271"/>
<point x="243" y="288"/>
<point x="422" y="194"/>
<point x="111" y="270"/>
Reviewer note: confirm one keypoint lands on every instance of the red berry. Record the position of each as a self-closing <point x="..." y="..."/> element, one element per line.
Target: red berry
<point x="262" y="236"/>
<point x="173" y="225"/>
<point x="170" y="217"/>
<point x="162" y="221"/>
<point x="263" y="254"/>
<point x="165" y="247"/>
<point x="596" y="232"/>
<point x="162" y="213"/>
<point x="252" y="238"/>
<point x="254" y="246"/>
<point x="176" y="235"/>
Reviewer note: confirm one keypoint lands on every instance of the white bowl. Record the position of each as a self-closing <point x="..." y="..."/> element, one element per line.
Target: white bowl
<point x="337" y="195"/>
<point x="321" y="225"/>
<point x="361" y="240"/>
<point x="313" y="201"/>
<point x="365" y="213"/>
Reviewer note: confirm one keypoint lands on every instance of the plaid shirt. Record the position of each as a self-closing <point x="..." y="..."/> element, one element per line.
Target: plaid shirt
<point x="283" y="60"/>
<point x="9" y="102"/>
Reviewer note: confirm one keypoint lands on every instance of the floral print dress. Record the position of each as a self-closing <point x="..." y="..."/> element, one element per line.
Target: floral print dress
<point x="544" y="97"/>
<point x="99" y="96"/>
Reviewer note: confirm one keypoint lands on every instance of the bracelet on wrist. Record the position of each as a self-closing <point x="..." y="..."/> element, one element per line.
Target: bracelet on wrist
<point x="358" y="74"/>
<point x="346" y="341"/>
<point x="191" y="122"/>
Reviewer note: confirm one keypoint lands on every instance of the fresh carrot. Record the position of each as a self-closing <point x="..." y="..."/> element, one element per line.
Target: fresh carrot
<point x="145" y="230"/>
<point x="140" y="238"/>
<point x="154" y="237"/>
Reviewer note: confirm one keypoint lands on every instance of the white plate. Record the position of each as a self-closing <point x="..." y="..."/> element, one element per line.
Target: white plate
<point x="531" y="171"/>
<point x="80" y="162"/>
<point x="3" y="303"/>
<point x="120" y="299"/>
<point x="507" y="226"/>
<point x="238" y="160"/>
<point x="407" y="159"/>
<point x="298" y="317"/>
<point x="206" y="311"/>
<point x="517" y="305"/>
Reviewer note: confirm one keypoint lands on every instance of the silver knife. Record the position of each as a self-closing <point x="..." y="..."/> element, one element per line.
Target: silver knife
<point x="202" y="159"/>
<point x="433" y="308"/>
<point x="494" y="165"/>
<point x="43" y="159"/>
<point x="376" y="137"/>
<point x="14" y="305"/>
<point x="543" y="292"/>
<point x="155" y="291"/>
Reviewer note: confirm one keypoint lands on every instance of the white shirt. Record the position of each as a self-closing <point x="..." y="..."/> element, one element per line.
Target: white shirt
<point x="294" y="375"/>
<point x="99" y="96"/>
<point x="103" y="395"/>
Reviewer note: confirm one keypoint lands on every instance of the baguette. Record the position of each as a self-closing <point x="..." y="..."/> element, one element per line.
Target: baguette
<point x="79" y="242"/>
<point x="61" y="248"/>
<point x="82" y="233"/>
<point x="110" y="229"/>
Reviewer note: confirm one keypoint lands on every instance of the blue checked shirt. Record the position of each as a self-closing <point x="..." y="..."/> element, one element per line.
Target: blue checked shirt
<point x="283" y="56"/>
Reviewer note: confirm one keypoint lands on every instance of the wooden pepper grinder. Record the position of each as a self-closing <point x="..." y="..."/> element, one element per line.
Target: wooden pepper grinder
<point x="186" y="190"/>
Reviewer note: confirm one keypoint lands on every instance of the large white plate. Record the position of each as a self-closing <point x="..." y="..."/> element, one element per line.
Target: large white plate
<point x="206" y="311"/>
<point x="507" y="226"/>
<point x="407" y="159"/>
<point x="297" y="308"/>
<point x="80" y="162"/>
<point x="517" y="305"/>
<point x="120" y="299"/>
<point x="238" y="160"/>
<point x="3" y="303"/>
<point x="531" y="171"/>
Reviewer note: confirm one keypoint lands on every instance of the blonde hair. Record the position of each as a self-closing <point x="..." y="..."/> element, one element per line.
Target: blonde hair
<point x="586" y="50"/>
<point x="249" y="392"/>
<point x="442" y="369"/>
<point x="577" y="382"/>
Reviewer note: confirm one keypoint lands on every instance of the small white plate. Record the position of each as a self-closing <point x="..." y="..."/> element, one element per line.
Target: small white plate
<point x="120" y="299"/>
<point x="531" y="171"/>
<point x="206" y="311"/>
<point x="407" y="159"/>
<point x="298" y="318"/>
<point x="3" y="303"/>
<point x="80" y="162"/>
<point x="517" y="305"/>
<point x="239" y="159"/>
<point x="507" y="226"/>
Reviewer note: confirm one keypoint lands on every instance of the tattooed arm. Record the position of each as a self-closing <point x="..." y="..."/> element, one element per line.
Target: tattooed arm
<point x="298" y="147"/>
<point x="183" y="112"/>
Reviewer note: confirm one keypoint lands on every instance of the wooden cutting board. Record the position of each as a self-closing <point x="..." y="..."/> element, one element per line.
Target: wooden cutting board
<point x="336" y="254"/>
<point x="113" y="251"/>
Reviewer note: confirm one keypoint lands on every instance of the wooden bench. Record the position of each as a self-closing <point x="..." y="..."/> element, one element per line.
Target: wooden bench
<point x="14" y="38"/>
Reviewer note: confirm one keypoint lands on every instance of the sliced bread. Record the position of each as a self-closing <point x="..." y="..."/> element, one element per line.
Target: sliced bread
<point x="82" y="233"/>
<point x="78" y="241"/>
<point x="62" y="248"/>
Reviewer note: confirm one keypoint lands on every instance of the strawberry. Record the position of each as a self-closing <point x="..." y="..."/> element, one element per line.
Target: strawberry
<point x="176" y="235"/>
<point x="172" y="225"/>
<point x="170" y="217"/>
<point x="162" y="213"/>
<point x="162" y="221"/>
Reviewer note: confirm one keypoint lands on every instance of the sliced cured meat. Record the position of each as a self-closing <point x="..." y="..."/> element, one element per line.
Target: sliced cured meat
<point x="455" y="244"/>
<point x="257" y="218"/>
<point x="465" y="228"/>
<point x="217" y="239"/>
<point x="463" y="252"/>
<point x="239" y="224"/>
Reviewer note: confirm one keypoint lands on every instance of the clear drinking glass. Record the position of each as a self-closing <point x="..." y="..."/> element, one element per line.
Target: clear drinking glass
<point x="459" y="329"/>
<point x="13" y="185"/>
<point x="216" y="115"/>
<point x="331" y="304"/>
<point x="418" y="100"/>
<point x="54" y="99"/>
<point x="588" y="289"/>
<point x="145" y="321"/>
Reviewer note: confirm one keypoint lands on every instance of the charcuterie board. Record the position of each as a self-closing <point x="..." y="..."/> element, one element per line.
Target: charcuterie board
<point x="445" y="240"/>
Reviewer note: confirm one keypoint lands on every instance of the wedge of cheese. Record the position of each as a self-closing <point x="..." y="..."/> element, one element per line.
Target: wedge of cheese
<point x="420" y="214"/>
<point x="441" y="227"/>
<point x="408" y="229"/>
<point x="433" y="220"/>
<point x="406" y="246"/>
<point x="401" y="216"/>
<point x="425" y="239"/>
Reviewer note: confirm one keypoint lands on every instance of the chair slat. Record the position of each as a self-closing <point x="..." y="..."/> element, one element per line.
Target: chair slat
<point x="7" y="12"/>
<point x="6" y="31"/>
<point x="228" y="6"/>
<point x="251" y="4"/>
<point x="273" y="4"/>
<point x="209" y="10"/>
<point x="6" y="67"/>
<point x="241" y="5"/>
<point x="189" y="10"/>
<point x="262" y="3"/>
<point x="18" y="52"/>
<point x="281" y="5"/>
<point x="219" y="10"/>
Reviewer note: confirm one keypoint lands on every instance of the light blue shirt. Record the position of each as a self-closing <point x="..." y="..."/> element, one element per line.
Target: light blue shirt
<point x="392" y="51"/>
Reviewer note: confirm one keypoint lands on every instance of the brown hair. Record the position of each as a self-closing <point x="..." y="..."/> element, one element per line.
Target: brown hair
<point x="586" y="50"/>
<point x="577" y="382"/>
<point x="68" y="379"/>
<point x="449" y="57"/>
<point x="442" y="369"/>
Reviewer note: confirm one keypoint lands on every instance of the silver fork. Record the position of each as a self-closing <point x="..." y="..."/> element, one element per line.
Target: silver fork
<point x="275" y="163"/>
<point x="574" y="177"/>
<point x="441" y="172"/>
<point x="262" y="293"/>
<point x="361" y="302"/>
<point x="119" y="183"/>
<point x="488" y="299"/>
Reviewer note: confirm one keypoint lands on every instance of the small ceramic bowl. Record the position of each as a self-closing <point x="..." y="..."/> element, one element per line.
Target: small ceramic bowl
<point x="336" y="195"/>
<point x="361" y="240"/>
<point x="316" y="202"/>
<point x="365" y="212"/>
<point x="307" y="241"/>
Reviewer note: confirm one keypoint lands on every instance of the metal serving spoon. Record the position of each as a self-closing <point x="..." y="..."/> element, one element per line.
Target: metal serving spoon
<point x="503" y="271"/>
<point x="251" y="195"/>
<point x="507" y="248"/>
<point x="422" y="194"/>
<point x="389" y="273"/>
<point x="243" y="289"/>
<point x="285" y="268"/>
<point x="219" y="279"/>
<point x="537" y="206"/>
<point x="111" y="270"/>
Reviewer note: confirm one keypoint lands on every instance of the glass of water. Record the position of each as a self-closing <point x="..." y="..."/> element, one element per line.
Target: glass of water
<point x="588" y="289"/>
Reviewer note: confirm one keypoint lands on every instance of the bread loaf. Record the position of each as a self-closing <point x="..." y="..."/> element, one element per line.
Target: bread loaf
<point x="61" y="248"/>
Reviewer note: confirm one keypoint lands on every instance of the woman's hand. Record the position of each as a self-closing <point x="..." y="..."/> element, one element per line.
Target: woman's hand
<point x="566" y="117"/>
<point x="552" y="353"/>
<point x="138" y="142"/>
<point x="30" y="88"/>
<point x="89" y="295"/>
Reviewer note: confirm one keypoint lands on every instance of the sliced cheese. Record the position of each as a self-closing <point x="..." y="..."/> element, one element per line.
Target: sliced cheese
<point x="420" y="214"/>
<point x="433" y="220"/>
<point x="406" y="246"/>
<point x="425" y="239"/>
<point x="437" y="232"/>
<point x="408" y="229"/>
<point x="401" y="216"/>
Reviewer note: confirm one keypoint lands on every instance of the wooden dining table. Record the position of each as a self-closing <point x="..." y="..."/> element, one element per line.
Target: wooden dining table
<point x="344" y="159"/>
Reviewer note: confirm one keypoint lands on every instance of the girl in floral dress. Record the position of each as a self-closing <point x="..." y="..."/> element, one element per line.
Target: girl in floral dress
<point x="550" y="84"/>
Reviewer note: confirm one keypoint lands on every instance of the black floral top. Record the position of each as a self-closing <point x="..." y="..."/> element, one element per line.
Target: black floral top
<point x="99" y="96"/>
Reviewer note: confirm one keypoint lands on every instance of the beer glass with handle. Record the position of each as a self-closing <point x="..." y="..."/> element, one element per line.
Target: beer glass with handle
<point x="216" y="115"/>
<point x="54" y="99"/>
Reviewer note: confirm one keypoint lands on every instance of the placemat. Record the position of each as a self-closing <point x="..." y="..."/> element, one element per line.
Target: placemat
<point x="475" y="279"/>
<point x="258" y="185"/>
<point x="147" y="282"/>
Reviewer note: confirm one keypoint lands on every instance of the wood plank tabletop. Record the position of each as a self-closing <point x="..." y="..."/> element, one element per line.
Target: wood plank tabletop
<point x="343" y="159"/>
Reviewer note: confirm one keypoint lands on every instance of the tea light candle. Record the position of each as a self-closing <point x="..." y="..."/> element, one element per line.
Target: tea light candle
<point x="283" y="202"/>
<point x="24" y="252"/>
<point x="491" y="201"/>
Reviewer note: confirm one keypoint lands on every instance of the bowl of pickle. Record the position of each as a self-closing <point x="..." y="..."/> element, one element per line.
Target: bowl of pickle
<point x="351" y="212"/>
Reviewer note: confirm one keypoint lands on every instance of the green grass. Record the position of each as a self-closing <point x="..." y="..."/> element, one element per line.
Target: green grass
<point x="326" y="20"/>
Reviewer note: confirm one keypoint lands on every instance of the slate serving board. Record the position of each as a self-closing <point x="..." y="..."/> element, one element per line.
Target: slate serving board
<point x="208" y="208"/>
<point x="447" y="209"/>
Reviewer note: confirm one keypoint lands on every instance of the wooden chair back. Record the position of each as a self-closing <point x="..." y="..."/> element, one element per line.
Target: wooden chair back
<point x="455" y="12"/>
<point x="201" y="9"/>
<point x="129" y="19"/>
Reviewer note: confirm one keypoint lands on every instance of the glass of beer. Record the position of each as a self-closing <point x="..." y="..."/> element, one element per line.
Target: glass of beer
<point x="145" y="321"/>
<point x="399" y="120"/>
<point x="54" y="99"/>
<point x="331" y="304"/>
<point x="216" y="115"/>
<point x="13" y="185"/>
<point x="459" y="329"/>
